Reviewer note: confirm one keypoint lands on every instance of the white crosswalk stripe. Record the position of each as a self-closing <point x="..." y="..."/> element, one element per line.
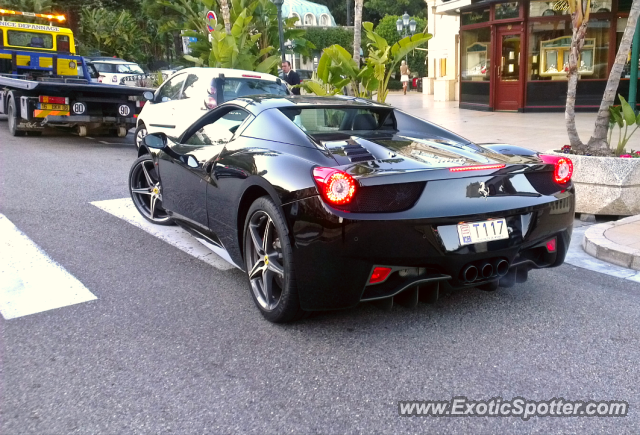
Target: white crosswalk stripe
<point x="124" y="209"/>
<point x="30" y="281"/>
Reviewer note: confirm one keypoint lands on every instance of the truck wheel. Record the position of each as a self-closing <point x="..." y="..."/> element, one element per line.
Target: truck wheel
<point x="82" y="130"/>
<point x="122" y="131"/>
<point x="13" y="119"/>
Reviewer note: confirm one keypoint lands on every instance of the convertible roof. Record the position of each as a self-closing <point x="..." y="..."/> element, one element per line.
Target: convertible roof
<point x="259" y="103"/>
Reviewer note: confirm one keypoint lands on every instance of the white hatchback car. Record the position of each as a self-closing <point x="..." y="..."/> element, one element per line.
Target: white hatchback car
<point x="190" y="92"/>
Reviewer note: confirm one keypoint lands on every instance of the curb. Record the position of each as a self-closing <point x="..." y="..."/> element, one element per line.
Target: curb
<point x="597" y="245"/>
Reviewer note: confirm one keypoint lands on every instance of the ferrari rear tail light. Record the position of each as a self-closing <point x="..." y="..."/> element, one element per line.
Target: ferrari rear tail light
<point x="563" y="168"/>
<point x="551" y="245"/>
<point x="336" y="187"/>
<point x="379" y="274"/>
<point x="476" y="168"/>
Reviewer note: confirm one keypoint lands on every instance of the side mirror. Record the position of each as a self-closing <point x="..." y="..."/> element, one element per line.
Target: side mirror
<point x="157" y="141"/>
<point x="148" y="95"/>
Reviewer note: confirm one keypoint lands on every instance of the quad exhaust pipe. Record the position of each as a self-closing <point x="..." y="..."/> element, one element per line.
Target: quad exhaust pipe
<point x="498" y="267"/>
<point x="470" y="273"/>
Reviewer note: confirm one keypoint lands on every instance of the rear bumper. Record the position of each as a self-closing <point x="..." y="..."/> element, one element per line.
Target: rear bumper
<point x="80" y="120"/>
<point x="334" y="256"/>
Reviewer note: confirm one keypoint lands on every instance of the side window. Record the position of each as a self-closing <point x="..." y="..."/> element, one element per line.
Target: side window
<point x="170" y="90"/>
<point x="62" y="42"/>
<point x="220" y="131"/>
<point x="191" y="90"/>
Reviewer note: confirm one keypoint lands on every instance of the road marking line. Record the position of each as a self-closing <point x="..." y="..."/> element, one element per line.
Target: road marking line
<point x="577" y="257"/>
<point x="30" y="281"/>
<point x="174" y="235"/>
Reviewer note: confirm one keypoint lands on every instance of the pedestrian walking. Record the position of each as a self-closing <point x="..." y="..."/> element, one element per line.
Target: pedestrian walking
<point x="291" y="77"/>
<point x="404" y="76"/>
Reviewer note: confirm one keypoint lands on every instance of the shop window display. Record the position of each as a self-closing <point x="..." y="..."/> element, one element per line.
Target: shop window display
<point x="550" y="44"/>
<point x="476" y="56"/>
<point x="554" y="58"/>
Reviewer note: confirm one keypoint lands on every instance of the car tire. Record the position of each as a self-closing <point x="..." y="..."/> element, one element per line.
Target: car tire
<point x="269" y="261"/>
<point x="12" y="114"/>
<point x="146" y="191"/>
<point x="141" y="132"/>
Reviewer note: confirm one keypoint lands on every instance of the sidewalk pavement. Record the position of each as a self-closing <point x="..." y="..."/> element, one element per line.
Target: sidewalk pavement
<point x="615" y="242"/>
<point x="536" y="131"/>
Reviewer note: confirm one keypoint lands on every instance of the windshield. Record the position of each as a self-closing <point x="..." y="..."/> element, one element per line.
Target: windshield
<point x="29" y="39"/>
<point x="234" y="88"/>
<point x="105" y="67"/>
<point x="326" y="120"/>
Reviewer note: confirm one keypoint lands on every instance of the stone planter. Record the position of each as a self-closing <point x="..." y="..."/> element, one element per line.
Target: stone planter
<point x="606" y="185"/>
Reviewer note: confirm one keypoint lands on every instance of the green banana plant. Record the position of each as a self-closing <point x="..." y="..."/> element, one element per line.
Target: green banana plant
<point x="238" y="50"/>
<point x="336" y="67"/>
<point x="623" y="116"/>
<point x="383" y="59"/>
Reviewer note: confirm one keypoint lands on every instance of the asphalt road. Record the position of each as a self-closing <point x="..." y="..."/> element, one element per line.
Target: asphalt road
<point x="174" y="345"/>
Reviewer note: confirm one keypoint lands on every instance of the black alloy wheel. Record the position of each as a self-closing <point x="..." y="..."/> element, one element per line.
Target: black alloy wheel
<point x="146" y="191"/>
<point x="269" y="263"/>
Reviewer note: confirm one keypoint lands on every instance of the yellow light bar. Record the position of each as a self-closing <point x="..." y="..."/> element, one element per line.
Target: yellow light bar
<point x="31" y="14"/>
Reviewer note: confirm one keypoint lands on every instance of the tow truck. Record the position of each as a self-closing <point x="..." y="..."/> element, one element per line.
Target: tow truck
<point x="43" y="83"/>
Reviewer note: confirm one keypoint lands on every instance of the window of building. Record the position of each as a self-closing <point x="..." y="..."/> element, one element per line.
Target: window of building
<point x="298" y="22"/>
<point x="309" y="20"/>
<point x="476" y="54"/>
<point x="505" y="11"/>
<point x="550" y="45"/>
<point x="475" y="16"/>
<point x="324" y="20"/>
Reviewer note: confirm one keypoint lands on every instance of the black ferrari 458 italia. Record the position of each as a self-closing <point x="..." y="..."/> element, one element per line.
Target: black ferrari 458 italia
<point x="328" y="202"/>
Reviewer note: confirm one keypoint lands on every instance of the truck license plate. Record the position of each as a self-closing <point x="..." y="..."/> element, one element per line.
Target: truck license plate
<point x="47" y="106"/>
<point x="484" y="231"/>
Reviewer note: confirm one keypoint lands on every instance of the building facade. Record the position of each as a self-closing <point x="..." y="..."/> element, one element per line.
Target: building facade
<point x="308" y="14"/>
<point x="514" y="55"/>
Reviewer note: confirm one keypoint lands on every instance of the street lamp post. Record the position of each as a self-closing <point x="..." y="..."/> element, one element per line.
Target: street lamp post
<point x="278" y="4"/>
<point x="404" y="24"/>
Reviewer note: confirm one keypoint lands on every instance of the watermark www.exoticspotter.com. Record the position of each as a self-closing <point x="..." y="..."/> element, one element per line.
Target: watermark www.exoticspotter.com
<point x="516" y="407"/>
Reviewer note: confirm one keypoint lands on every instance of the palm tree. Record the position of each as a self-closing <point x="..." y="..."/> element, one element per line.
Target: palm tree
<point x="579" y="18"/>
<point x="357" y="31"/>
<point x="598" y="142"/>
<point x="226" y="15"/>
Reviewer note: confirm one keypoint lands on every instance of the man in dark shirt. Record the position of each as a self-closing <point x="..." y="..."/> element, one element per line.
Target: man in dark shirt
<point x="291" y="77"/>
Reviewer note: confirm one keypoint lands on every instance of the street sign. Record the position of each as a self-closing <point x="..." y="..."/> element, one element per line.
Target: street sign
<point x="212" y="20"/>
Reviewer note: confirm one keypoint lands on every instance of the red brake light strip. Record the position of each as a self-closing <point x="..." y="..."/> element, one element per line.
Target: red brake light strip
<point x="476" y="168"/>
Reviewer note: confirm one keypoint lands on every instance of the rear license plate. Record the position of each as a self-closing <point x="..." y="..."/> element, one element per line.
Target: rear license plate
<point x="47" y="106"/>
<point x="484" y="231"/>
